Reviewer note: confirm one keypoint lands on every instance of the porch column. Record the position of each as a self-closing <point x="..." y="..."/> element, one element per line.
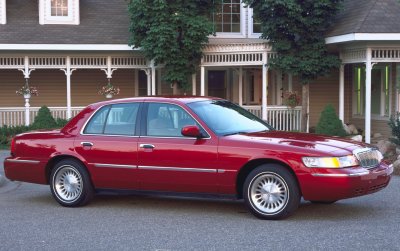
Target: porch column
<point x="153" y="78"/>
<point x="241" y="86"/>
<point x="264" y="87"/>
<point x="368" y="96"/>
<point x="136" y="84"/>
<point x="194" y="84"/>
<point x="27" y="73"/>
<point x="341" y="93"/>
<point x="290" y="82"/>
<point x="68" y="73"/>
<point x="148" y="74"/>
<point x="202" y="79"/>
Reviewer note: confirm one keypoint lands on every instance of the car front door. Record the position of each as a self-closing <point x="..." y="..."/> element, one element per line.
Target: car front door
<point x="168" y="161"/>
<point x="108" y="143"/>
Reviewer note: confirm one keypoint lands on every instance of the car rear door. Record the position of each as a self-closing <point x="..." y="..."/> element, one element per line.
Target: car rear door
<point x="108" y="143"/>
<point x="169" y="161"/>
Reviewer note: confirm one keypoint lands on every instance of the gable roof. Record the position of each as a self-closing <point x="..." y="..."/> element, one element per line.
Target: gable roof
<point x="366" y="17"/>
<point x="101" y="22"/>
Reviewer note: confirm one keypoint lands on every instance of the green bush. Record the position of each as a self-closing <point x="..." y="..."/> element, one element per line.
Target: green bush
<point x="329" y="123"/>
<point x="61" y="122"/>
<point x="394" y="124"/>
<point x="44" y="119"/>
<point x="7" y="132"/>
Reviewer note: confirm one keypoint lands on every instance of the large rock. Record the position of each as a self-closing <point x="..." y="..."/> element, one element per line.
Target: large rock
<point x="396" y="167"/>
<point x="386" y="147"/>
<point x="352" y="129"/>
<point x="357" y="138"/>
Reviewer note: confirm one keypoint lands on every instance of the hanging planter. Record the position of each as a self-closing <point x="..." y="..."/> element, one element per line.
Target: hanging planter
<point x="27" y="91"/>
<point x="291" y="99"/>
<point x="109" y="90"/>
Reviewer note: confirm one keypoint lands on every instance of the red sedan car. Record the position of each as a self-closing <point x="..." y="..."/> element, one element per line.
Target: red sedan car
<point x="193" y="145"/>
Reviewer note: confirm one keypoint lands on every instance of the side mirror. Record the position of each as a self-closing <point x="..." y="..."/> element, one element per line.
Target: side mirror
<point x="191" y="131"/>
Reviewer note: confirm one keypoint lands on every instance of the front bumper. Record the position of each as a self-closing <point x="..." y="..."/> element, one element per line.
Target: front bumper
<point x="336" y="184"/>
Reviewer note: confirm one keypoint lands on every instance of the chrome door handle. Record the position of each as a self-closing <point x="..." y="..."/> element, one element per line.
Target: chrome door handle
<point x="147" y="146"/>
<point x="87" y="144"/>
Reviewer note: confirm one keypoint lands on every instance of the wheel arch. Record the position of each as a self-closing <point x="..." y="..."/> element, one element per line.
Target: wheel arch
<point x="55" y="159"/>
<point x="251" y="165"/>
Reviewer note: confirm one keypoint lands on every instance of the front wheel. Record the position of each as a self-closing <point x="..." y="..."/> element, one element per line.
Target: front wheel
<point x="271" y="192"/>
<point x="70" y="184"/>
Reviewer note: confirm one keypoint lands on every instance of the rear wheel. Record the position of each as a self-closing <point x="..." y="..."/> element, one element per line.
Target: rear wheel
<point x="70" y="184"/>
<point x="271" y="192"/>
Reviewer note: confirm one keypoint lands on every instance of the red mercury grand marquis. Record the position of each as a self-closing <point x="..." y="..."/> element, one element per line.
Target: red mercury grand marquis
<point x="193" y="145"/>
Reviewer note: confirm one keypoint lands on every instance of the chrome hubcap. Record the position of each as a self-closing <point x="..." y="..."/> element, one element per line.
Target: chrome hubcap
<point x="269" y="193"/>
<point x="68" y="184"/>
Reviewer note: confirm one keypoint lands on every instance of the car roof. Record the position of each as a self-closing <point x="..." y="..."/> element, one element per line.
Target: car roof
<point x="174" y="98"/>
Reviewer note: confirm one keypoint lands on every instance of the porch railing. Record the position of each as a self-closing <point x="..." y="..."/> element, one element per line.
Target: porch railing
<point x="280" y="117"/>
<point x="15" y="116"/>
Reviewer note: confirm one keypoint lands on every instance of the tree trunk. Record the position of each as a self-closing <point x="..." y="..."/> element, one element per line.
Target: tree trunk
<point x="175" y="89"/>
<point x="304" y="106"/>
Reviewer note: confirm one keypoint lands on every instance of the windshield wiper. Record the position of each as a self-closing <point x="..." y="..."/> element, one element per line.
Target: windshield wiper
<point x="234" y="133"/>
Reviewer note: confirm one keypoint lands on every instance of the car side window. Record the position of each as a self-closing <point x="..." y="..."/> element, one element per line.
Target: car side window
<point x="167" y="120"/>
<point x="118" y="119"/>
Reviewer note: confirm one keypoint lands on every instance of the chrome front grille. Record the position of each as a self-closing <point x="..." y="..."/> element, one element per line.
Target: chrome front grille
<point x="368" y="157"/>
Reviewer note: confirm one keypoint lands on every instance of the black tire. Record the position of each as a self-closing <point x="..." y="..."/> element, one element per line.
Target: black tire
<point x="323" y="202"/>
<point x="70" y="184"/>
<point x="271" y="192"/>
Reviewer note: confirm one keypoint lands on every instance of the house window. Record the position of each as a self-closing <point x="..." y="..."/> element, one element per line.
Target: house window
<point x="59" y="8"/>
<point x="380" y="91"/>
<point x="2" y="11"/>
<point x="59" y="12"/>
<point x="228" y="17"/>
<point x="254" y="25"/>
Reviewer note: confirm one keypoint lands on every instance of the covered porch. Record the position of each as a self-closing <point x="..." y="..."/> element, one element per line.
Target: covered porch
<point x="67" y="82"/>
<point x="369" y="78"/>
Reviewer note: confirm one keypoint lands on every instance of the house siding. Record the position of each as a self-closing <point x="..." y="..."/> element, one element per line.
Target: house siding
<point x="51" y="85"/>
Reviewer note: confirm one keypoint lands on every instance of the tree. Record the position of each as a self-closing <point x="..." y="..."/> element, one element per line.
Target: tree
<point x="171" y="33"/>
<point x="295" y="29"/>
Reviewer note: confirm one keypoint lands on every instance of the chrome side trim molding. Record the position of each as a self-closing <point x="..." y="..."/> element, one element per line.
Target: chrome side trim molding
<point x="340" y="174"/>
<point x="25" y="161"/>
<point x="115" y="166"/>
<point x="179" y="169"/>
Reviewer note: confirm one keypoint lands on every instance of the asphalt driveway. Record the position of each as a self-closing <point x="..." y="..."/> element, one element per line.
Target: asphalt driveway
<point x="30" y="219"/>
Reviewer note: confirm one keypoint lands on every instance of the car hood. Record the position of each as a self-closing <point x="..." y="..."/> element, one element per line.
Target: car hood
<point x="303" y="141"/>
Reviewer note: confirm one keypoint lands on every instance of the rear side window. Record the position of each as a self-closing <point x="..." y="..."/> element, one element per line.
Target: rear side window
<point x="118" y="119"/>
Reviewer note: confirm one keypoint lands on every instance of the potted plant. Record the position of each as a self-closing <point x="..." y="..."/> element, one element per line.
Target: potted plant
<point x="291" y="99"/>
<point x="27" y="91"/>
<point x="109" y="90"/>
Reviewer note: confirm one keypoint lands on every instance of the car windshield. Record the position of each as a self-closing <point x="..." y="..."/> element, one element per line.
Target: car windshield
<point x="226" y="118"/>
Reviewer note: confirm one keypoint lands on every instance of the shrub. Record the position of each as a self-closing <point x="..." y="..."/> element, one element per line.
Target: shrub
<point x="394" y="124"/>
<point x="7" y="132"/>
<point x="329" y="123"/>
<point x="44" y="119"/>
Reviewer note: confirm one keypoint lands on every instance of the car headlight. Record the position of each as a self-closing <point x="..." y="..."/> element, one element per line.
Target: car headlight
<point x="330" y="162"/>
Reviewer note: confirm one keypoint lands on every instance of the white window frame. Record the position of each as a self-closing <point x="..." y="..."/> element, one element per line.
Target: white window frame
<point x="250" y="22"/>
<point x="45" y="16"/>
<point x="242" y="33"/>
<point x="3" y="19"/>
